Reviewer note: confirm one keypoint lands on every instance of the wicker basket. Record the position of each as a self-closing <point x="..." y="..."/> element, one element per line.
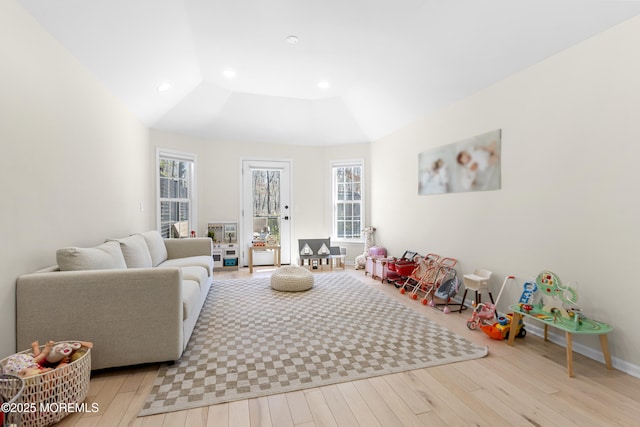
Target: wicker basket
<point x="49" y="397"/>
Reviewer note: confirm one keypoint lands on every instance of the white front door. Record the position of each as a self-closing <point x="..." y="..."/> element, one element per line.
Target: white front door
<point x="266" y="208"/>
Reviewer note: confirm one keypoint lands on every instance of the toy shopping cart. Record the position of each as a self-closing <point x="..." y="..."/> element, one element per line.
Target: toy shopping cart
<point x="11" y="388"/>
<point x="400" y="268"/>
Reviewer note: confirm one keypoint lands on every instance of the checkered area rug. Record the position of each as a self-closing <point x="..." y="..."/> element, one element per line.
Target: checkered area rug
<point x="253" y="341"/>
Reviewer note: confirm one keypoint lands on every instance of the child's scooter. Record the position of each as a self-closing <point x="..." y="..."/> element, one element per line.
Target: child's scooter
<point x="485" y="313"/>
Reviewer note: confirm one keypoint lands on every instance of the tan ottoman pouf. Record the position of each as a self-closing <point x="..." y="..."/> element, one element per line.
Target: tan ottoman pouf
<point x="292" y="278"/>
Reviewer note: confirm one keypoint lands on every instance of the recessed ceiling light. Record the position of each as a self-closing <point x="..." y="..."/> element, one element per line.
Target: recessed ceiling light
<point x="164" y="86"/>
<point x="292" y="39"/>
<point x="323" y="84"/>
<point x="229" y="73"/>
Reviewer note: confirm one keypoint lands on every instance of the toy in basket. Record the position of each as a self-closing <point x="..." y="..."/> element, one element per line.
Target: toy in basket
<point x="56" y="380"/>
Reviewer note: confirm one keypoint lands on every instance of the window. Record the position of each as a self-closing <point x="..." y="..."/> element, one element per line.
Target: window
<point x="348" y="192"/>
<point x="176" y="184"/>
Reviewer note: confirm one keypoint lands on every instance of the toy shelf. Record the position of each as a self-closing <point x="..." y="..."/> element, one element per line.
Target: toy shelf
<point x="570" y="327"/>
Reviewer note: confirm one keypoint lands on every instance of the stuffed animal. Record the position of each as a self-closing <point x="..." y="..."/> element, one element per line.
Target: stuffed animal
<point x="361" y="260"/>
<point x="50" y="357"/>
<point x="62" y="352"/>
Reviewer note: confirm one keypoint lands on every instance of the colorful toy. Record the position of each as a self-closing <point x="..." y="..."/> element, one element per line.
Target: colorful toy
<point x="484" y="313"/>
<point x="500" y="330"/>
<point x="528" y="293"/>
<point x="557" y="300"/>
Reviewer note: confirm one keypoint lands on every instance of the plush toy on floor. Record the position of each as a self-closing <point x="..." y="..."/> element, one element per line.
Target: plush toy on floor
<point x="361" y="260"/>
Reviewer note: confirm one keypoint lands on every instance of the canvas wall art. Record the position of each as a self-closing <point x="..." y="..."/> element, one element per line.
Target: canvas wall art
<point x="472" y="164"/>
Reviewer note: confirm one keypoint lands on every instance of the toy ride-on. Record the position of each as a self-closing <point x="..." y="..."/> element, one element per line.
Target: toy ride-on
<point x="500" y="329"/>
<point x="485" y="313"/>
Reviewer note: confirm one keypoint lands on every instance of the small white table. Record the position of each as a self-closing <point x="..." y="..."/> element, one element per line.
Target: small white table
<point x="274" y="248"/>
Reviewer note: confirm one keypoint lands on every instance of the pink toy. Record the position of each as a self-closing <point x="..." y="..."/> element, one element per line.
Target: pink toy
<point x="377" y="251"/>
<point x="484" y="313"/>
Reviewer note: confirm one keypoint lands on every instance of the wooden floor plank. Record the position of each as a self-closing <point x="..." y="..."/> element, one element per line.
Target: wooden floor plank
<point x="259" y="413"/>
<point x="218" y="415"/>
<point x="279" y="410"/>
<point x="338" y="405"/>
<point x="377" y="404"/>
<point x="197" y="417"/>
<point x="357" y="404"/>
<point x="322" y="415"/>
<point x="239" y="413"/>
<point x="299" y="408"/>
<point x="399" y="407"/>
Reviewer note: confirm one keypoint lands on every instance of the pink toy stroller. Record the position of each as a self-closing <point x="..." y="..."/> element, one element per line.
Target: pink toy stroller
<point x="425" y="268"/>
<point x="484" y="313"/>
<point x="432" y="281"/>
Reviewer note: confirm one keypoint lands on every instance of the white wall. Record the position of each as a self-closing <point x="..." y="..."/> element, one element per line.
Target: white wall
<point x="75" y="162"/>
<point x="218" y="170"/>
<point x="570" y="196"/>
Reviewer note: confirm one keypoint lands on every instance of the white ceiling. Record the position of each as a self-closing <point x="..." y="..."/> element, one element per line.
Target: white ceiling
<point x="389" y="62"/>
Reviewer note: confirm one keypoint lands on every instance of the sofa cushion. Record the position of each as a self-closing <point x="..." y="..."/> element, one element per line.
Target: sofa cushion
<point x="135" y="250"/>
<point x="102" y="257"/>
<point x="157" y="249"/>
<point x="190" y="299"/>
<point x="199" y="261"/>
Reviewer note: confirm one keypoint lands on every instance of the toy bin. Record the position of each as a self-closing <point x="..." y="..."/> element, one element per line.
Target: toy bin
<point x="49" y="397"/>
<point x="404" y="268"/>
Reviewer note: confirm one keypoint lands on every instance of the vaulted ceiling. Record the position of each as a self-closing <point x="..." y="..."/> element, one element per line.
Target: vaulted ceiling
<point x="387" y="62"/>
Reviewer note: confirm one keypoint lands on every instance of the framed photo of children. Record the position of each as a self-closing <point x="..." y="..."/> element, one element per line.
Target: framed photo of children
<point x="472" y="164"/>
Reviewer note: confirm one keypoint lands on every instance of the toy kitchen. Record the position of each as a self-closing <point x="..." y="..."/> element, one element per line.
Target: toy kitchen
<point x="225" y="244"/>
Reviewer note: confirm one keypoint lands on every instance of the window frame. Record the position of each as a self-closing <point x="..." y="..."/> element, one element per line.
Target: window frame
<point x="334" y="165"/>
<point x="166" y="154"/>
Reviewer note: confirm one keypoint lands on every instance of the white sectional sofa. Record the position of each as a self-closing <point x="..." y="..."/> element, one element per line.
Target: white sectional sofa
<point x="136" y="298"/>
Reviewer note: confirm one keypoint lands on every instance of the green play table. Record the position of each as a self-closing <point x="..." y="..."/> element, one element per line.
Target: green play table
<point x="569" y="326"/>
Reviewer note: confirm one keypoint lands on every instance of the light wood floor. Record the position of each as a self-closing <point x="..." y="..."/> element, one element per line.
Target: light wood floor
<point x="523" y="385"/>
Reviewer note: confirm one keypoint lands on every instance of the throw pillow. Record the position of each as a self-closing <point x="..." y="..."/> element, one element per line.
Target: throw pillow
<point x="157" y="249"/>
<point x="136" y="252"/>
<point x="102" y="257"/>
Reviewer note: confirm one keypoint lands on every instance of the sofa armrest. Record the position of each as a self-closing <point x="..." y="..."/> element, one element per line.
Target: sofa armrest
<point x="183" y="248"/>
<point x="132" y="316"/>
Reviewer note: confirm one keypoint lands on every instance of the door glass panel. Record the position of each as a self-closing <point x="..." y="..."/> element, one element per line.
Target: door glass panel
<point x="266" y="204"/>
